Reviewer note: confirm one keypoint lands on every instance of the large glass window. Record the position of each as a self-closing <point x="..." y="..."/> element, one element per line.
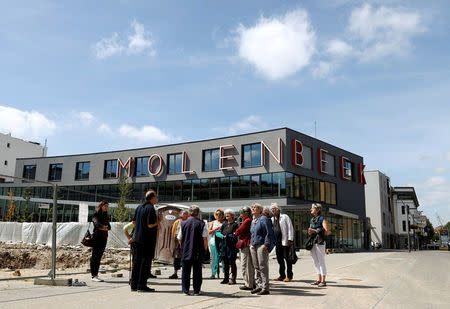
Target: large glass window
<point x="82" y="170"/>
<point x="316" y="190"/>
<point x="255" y="186"/>
<point x="211" y="160"/>
<point x="225" y="188"/>
<point x="187" y="190"/>
<point x="290" y="185"/>
<point x="110" y="170"/>
<point x="55" y="172"/>
<point x="214" y="188"/>
<point x="29" y="171"/>
<point x="245" y="186"/>
<point x="142" y="166"/>
<point x="252" y="155"/>
<point x="175" y="163"/>
<point x="279" y="184"/>
<point x="309" y="189"/>
<point x="266" y="185"/>
<point x="235" y="187"/>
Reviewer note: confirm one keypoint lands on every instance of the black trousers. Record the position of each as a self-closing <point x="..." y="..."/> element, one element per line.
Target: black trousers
<point x="97" y="253"/>
<point x="196" y="275"/>
<point x="177" y="263"/>
<point x="282" y="253"/>
<point x="141" y="264"/>
<point x="227" y="263"/>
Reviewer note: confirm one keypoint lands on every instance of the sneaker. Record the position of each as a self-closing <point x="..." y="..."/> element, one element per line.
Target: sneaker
<point x="278" y="279"/>
<point x="224" y="281"/>
<point x="263" y="292"/>
<point x="186" y="294"/>
<point x="256" y="290"/>
<point x="96" y="279"/>
<point x="174" y="276"/>
<point x="315" y="283"/>
<point x="322" y="284"/>
<point x="197" y="293"/>
<point x="245" y="288"/>
<point x="232" y="282"/>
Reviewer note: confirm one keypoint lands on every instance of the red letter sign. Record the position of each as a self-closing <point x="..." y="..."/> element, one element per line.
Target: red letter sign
<point x="223" y="157"/>
<point x="161" y="163"/>
<point x="183" y="165"/>
<point x="264" y="146"/>
<point x="297" y="153"/>
<point x="129" y="163"/>
<point x="361" y="177"/>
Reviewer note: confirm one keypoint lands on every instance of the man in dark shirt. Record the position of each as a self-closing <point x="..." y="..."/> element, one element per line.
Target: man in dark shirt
<point x="193" y="237"/>
<point x="144" y="241"/>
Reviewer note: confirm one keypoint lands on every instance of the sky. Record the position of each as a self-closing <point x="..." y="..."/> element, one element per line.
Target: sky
<point x="374" y="76"/>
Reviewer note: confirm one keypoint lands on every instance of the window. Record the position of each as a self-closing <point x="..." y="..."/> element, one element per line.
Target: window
<point x="252" y="155"/>
<point x="327" y="163"/>
<point x="403" y="210"/>
<point x="384" y="219"/>
<point x="266" y="185"/>
<point x="175" y="162"/>
<point x="142" y="166"/>
<point x="82" y="170"/>
<point x="6" y="162"/>
<point x="29" y="171"/>
<point x="211" y="160"/>
<point x="404" y="225"/>
<point x="55" y="172"/>
<point x="8" y="145"/>
<point x="110" y="170"/>
<point x="348" y="168"/>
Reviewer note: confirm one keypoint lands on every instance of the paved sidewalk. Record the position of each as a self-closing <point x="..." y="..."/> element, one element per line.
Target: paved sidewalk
<point x="384" y="279"/>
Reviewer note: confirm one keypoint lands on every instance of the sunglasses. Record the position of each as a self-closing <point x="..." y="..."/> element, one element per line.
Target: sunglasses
<point x="219" y="214"/>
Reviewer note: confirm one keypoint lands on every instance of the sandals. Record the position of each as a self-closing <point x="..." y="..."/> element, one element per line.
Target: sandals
<point x="316" y="282"/>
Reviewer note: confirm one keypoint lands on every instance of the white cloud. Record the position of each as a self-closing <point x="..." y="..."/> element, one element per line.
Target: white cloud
<point x="384" y="31"/>
<point x="105" y="129"/>
<point x="440" y="169"/>
<point x="434" y="196"/>
<point x="339" y="48"/>
<point x="24" y="124"/>
<point x="108" y="47"/>
<point x="86" y="117"/>
<point x="251" y="123"/>
<point x="323" y="69"/>
<point x="447" y="156"/>
<point x="139" y="41"/>
<point x="278" y="47"/>
<point x="145" y="133"/>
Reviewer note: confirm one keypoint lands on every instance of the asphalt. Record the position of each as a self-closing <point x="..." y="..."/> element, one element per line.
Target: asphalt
<point x="380" y="279"/>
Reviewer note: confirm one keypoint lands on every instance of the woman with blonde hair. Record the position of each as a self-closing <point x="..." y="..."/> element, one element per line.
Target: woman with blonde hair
<point x="215" y="243"/>
<point x="317" y="230"/>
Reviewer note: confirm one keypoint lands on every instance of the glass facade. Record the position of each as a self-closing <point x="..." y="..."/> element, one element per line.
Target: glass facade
<point x="142" y="166"/>
<point x="252" y="155"/>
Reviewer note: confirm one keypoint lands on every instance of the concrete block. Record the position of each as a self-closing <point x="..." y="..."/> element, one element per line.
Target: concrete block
<point x="53" y="282"/>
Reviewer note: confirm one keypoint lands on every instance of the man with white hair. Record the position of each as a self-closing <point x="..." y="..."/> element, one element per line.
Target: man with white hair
<point x="284" y="234"/>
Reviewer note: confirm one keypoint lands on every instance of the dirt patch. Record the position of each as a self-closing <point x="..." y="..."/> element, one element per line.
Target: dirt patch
<point x="23" y="256"/>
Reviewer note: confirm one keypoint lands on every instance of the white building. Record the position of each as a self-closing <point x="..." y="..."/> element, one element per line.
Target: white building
<point x="12" y="148"/>
<point x="405" y="209"/>
<point x="379" y="208"/>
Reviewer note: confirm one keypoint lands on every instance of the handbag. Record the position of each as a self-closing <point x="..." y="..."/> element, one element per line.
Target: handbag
<point x="88" y="239"/>
<point x="292" y="256"/>
<point x="240" y="244"/>
<point x="309" y="243"/>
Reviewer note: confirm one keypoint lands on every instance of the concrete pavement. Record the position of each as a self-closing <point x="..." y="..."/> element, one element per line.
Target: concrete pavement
<point x="382" y="279"/>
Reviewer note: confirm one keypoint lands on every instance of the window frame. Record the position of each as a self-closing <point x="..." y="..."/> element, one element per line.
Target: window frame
<point x="77" y="170"/>
<point x="169" y="171"/>
<point x="50" y="178"/>
<point x="109" y="176"/>
<point x="205" y="151"/>
<point x="251" y="155"/>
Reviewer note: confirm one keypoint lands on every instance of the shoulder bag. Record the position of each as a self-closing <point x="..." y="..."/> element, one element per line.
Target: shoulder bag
<point x="88" y="239"/>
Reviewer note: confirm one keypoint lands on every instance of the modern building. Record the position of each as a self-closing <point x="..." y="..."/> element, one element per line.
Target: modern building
<point x="406" y="207"/>
<point x="12" y="148"/>
<point x="275" y="166"/>
<point x="379" y="208"/>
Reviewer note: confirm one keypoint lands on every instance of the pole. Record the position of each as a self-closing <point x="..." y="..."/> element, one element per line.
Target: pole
<point x="407" y="218"/>
<point x="53" y="272"/>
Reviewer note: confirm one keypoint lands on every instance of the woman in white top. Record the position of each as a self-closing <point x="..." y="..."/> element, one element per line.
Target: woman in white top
<point x="215" y="242"/>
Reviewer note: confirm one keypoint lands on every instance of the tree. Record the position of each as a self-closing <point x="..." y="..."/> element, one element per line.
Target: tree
<point x="430" y="229"/>
<point x="25" y="214"/>
<point x="11" y="215"/>
<point x="120" y="212"/>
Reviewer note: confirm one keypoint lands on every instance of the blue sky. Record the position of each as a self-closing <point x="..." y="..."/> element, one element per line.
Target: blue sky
<point x="103" y="75"/>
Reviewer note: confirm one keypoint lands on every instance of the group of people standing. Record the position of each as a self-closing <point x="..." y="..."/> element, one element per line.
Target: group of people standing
<point x="255" y="238"/>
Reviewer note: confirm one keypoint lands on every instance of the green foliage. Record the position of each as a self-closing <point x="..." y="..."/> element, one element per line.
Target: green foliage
<point x="120" y="212"/>
<point x="436" y="237"/>
<point x="430" y="229"/>
<point x="25" y="214"/>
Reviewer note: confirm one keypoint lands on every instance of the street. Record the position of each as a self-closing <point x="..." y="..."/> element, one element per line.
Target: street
<point x="381" y="279"/>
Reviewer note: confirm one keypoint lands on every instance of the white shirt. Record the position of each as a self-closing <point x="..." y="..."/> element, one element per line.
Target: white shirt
<point x="287" y="229"/>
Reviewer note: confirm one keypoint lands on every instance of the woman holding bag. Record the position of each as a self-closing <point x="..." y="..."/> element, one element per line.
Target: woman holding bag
<point x="317" y="230"/>
<point x="243" y="232"/>
<point x="101" y="227"/>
